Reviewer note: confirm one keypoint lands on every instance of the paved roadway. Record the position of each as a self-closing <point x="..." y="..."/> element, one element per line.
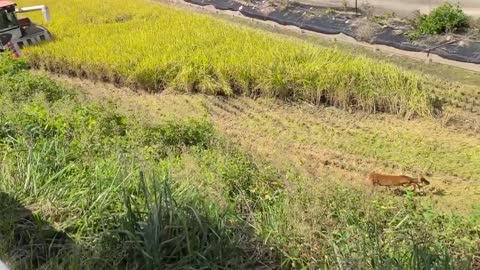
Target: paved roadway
<point x="402" y="7"/>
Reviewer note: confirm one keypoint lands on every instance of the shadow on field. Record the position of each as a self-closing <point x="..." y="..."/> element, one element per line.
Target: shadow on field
<point x="178" y="230"/>
<point x="26" y="239"/>
<point x="160" y="235"/>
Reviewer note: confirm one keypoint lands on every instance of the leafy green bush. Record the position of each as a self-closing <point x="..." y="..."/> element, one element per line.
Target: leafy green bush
<point x="180" y="133"/>
<point x="23" y="85"/>
<point x="443" y="19"/>
<point x="9" y="65"/>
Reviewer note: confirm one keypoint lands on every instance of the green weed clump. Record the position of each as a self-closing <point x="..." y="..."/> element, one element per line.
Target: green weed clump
<point x="165" y="233"/>
<point x="9" y="65"/>
<point x="446" y="18"/>
<point x="151" y="46"/>
<point x="86" y="187"/>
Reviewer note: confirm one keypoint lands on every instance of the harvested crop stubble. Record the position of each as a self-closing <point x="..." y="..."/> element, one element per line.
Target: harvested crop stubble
<point x="148" y="45"/>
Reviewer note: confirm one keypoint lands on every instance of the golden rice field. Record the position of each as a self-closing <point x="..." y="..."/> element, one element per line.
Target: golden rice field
<point x="148" y="45"/>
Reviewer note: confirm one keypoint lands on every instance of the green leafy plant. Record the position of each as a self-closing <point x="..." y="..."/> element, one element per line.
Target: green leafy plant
<point x="443" y="19"/>
<point x="9" y="65"/>
<point x="330" y="11"/>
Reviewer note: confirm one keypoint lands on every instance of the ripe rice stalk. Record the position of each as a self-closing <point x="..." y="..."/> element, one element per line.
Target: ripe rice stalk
<point x="156" y="47"/>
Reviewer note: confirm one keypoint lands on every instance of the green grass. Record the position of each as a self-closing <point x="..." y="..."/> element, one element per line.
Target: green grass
<point x="108" y="191"/>
<point x="151" y="46"/>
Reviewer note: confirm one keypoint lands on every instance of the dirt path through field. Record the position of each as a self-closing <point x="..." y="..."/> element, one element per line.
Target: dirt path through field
<point x="324" y="143"/>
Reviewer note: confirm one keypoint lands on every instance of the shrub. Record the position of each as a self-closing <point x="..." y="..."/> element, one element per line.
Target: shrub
<point x="9" y="65"/>
<point x="443" y="19"/>
<point x="175" y="133"/>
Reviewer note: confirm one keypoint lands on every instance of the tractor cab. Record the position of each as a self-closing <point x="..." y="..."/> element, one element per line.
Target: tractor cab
<point x="21" y="32"/>
<point x="8" y="20"/>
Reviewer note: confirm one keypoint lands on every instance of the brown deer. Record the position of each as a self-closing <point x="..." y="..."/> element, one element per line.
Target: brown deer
<point x="376" y="179"/>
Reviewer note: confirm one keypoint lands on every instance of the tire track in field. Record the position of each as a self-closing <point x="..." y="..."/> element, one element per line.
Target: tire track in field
<point x="319" y="163"/>
<point x="314" y="161"/>
<point x="289" y="122"/>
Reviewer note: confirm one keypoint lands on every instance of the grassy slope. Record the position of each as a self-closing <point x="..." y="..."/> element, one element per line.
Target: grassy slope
<point x="77" y="165"/>
<point x="306" y="223"/>
<point x="94" y="170"/>
<point x="156" y="47"/>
